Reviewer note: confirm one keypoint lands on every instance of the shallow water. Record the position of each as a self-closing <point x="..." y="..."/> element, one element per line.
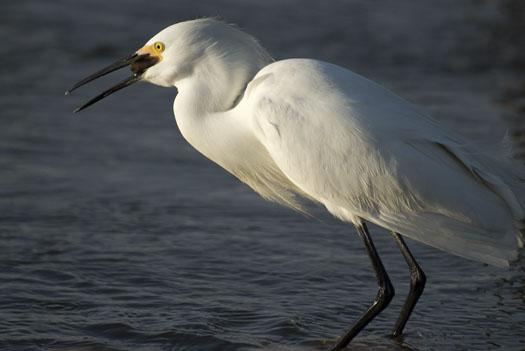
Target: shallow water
<point x="116" y="235"/>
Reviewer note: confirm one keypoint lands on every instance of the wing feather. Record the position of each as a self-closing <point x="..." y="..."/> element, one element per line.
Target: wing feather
<point x="367" y="154"/>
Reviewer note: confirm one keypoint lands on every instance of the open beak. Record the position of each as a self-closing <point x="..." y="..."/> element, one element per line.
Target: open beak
<point x="139" y="62"/>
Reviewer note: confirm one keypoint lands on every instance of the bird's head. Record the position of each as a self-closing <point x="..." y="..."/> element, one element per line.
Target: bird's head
<point x="204" y="47"/>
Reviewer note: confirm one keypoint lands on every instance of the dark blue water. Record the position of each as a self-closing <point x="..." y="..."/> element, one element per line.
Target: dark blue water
<point x="116" y="235"/>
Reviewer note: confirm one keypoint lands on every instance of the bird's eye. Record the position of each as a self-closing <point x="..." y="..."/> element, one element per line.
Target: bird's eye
<point x="159" y="47"/>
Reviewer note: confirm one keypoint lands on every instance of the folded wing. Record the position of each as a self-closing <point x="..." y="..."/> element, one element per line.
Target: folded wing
<point x="367" y="154"/>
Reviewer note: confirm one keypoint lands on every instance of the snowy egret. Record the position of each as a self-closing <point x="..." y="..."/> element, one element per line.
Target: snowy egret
<point x="301" y="128"/>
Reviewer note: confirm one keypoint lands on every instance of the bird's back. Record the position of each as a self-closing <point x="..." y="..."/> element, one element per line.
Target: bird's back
<point x="366" y="153"/>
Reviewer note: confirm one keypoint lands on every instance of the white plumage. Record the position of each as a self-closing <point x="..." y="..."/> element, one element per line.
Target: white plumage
<point x="310" y="128"/>
<point x="305" y="128"/>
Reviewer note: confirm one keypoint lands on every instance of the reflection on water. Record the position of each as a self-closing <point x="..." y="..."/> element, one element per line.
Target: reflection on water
<point x="116" y="235"/>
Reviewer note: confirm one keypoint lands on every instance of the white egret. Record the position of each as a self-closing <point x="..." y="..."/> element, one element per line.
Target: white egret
<point x="305" y="128"/>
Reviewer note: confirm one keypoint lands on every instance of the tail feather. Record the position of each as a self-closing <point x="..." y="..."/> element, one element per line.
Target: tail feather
<point x="500" y="173"/>
<point x="459" y="238"/>
<point x="520" y="226"/>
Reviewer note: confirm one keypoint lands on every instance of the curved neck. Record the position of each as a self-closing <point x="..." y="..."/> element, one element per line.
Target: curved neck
<point x="203" y="106"/>
<point x="206" y="121"/>
<point x="218" y="81"/>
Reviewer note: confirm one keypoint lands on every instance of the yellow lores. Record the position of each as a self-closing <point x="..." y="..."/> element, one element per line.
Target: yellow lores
<point x="154" y="50"/>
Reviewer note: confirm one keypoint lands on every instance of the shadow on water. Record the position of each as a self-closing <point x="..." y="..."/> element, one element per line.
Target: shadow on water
<point x="364" y="343"/>
<point x="79" y="346"/>
<point x="368" y="343"/>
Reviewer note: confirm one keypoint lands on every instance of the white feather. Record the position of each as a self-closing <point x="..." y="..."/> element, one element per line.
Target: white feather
<point x="313" y="129"/>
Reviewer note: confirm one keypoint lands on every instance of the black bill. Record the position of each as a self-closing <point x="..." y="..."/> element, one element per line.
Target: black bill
<point x="138" y="63"/>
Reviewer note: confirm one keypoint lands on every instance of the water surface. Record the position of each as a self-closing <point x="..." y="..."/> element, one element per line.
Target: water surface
<point x="116" y="235"/>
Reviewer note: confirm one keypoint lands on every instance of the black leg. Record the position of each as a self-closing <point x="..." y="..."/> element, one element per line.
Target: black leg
<point x="384" y="294"/>
<point x="417" y="285"/>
